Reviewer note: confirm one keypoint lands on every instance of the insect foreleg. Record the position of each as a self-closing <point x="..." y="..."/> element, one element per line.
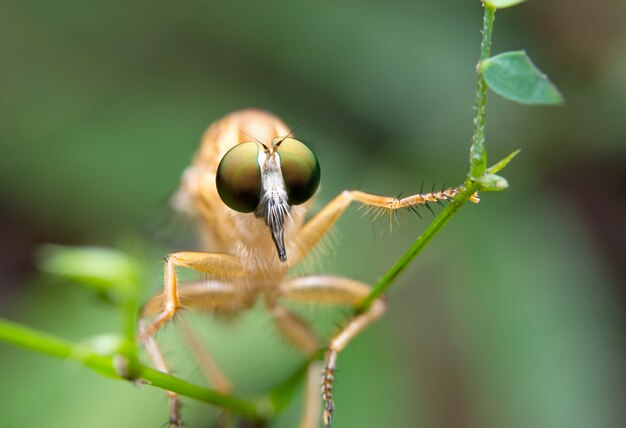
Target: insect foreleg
<point x="218" y="265"/>
<point x="221" y="266"/>
<point x="321" y="222"/>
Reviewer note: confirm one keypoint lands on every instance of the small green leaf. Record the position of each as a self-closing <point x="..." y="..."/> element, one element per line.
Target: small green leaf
<point x="492" y="183"/>
<point x="513" y="76"/>
<point x="103" y="269"/>
<point x="504" y="162"/>
<point x="501" y="4"/>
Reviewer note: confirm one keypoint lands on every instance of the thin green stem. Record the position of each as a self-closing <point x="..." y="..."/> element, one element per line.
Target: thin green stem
<point x="106" y="365"/>
<point x="399" y="266"/>
<point x="488" y="20"/>
<point x="478" y="153"/>
<point x="478" y="165"/>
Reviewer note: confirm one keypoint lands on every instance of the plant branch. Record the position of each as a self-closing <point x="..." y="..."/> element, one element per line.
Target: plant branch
<point x="28" y="338"/>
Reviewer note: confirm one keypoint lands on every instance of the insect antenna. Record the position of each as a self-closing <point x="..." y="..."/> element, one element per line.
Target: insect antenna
<point x="285" y="137"/>
<point x="255" y="139"/>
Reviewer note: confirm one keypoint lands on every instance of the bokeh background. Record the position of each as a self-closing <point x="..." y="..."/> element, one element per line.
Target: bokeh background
<point x="512" y="317"/>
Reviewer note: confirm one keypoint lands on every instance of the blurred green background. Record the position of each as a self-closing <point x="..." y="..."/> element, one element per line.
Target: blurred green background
<point x="512" y="317"/>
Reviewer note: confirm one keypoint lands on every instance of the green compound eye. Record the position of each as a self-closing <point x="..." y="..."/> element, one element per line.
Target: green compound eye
<point x="301" y="170"/>
<point x="238" y="178"/>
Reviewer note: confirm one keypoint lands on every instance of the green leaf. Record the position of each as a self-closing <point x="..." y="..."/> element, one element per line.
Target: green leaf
<point x="504" y="162"/>
<point x="103" y="269"/>
<point x="513" y="76"/>
<point x="501" y="4"/>
<point x="492" y="183"/>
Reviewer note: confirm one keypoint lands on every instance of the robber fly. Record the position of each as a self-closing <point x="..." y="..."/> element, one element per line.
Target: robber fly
<point x="251" y="184"/>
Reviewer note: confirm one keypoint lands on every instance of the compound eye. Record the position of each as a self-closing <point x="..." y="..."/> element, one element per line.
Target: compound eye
<point x="301" y="170"/>
<point x="238" y="178"/>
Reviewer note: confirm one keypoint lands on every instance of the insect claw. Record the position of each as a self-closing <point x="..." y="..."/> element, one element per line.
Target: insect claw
<point x="328" y="419"/>
<point x="175" y="420"/>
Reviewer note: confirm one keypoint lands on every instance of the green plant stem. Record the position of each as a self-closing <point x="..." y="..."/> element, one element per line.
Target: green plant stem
<point x="478" y="153"/>
<point x="106" y="365"/>
<point x="478" y="165"/>
<point x="438" y="223"/>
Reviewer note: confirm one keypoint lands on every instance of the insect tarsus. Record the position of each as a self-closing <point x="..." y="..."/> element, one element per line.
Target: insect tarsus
<point x="327" y="387"/>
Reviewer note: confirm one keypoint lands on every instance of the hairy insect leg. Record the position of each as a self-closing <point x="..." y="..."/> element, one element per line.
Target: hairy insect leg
<point x="355" y="326"/>
<point x="294" y="329"/>
<point x="321" y="222"/>
<point x="221" y="266"/>
<point x="334" y="290"/>
<point x="159" y="362"/>
<point x="209" y="295"/>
